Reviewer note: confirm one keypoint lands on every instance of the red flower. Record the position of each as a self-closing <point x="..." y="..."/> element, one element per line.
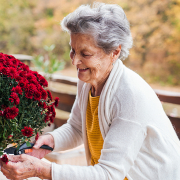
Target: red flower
<point x="44" y="105"/>
<point x="25" y="67"/>
<point x="22" y="73"/>
<point x="5" y="159"/>
<point x="17" y="89"/>
<point x="14" y="98"/>
<point x="42" y="81"/>
<point x="1" y="113"/>
<point x="4" y="70"/>
<point x="15" y="62"/>
<point x="37" y="95"/>
<point x="40" y="104"/>
<point x="37" y="136"/>
<point x="12" y="72"/>
<point x="22" y="83"/>
<point x="11" y="113"/>
<point x="30" y="76"/>
<point x="49" y="95"/>
<point x="56" y="101"/>
<point x="43" y="94"/>
<point x="10" y="136"/>
<point x="30" y="89"/>
<point x="27" y="131"/>
<point x="51" y="119"/>
<point x="46" y="119"/>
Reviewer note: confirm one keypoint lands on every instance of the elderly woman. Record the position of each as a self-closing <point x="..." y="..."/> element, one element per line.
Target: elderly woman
<point x="116" y="114"/>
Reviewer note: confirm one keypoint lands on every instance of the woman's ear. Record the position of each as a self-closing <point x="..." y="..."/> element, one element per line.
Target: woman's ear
<point x="116" y="53"/>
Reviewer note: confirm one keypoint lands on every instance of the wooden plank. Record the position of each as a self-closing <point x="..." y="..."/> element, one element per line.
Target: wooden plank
<point x="66" y="101"/>
<point x="167" y="96"/>
<point x="64" y="81"/>
<point x="176" y="124"/>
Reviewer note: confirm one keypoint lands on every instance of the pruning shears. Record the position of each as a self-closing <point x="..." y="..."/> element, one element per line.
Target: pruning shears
<point x="24" y="149"/>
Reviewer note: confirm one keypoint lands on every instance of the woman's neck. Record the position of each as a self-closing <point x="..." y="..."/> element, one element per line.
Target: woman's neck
<point x="97" y="88"/>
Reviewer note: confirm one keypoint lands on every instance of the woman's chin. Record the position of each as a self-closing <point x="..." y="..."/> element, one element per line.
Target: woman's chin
<point x="83" y="77"/>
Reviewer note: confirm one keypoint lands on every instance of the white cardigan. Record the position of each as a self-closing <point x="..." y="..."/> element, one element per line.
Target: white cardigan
<point x="139" y="140"/>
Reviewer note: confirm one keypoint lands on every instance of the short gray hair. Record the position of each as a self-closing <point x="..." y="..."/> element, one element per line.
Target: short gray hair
<point x="107" y="23"/>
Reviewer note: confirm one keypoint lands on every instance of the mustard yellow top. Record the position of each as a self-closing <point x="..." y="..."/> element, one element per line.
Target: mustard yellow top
<point x="95" y="139"/>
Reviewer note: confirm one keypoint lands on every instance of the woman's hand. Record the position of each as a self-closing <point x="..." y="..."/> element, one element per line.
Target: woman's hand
<point x="24" y="166"/>
<point x="42" y="140"/>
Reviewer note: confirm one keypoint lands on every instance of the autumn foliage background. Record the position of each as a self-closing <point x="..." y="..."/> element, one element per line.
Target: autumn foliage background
<point x="26" y="26"/>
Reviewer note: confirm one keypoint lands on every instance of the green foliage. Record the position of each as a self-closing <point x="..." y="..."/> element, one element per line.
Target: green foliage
<point x="48" y="62"/>
<point x="16" y="26"/>
<point x="30" y="114"/>
<point x="26" y="25"/>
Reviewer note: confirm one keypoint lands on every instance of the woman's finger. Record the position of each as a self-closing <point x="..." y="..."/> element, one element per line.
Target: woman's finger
<point x="39" y="153"/>
<point x="15" y="158"/>
<point x="44" y="140"/>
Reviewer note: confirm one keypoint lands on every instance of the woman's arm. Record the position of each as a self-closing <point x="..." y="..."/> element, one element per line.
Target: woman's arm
<point x="121" y="146"/>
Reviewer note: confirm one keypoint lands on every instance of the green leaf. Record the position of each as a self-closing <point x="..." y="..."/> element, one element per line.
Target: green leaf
<point x="18" y="147"/>
<point x="1" y="153"/>
<point x="28" y="144"/>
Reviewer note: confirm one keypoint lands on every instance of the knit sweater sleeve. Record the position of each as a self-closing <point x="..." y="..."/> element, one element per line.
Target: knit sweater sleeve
<point x="117" y="156"/>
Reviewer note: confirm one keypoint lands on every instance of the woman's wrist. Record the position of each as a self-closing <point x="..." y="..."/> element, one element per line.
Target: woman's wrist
<point x="44" y="171"/>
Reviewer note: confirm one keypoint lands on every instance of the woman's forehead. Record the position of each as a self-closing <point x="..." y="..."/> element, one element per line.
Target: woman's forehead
<point x="82" y="41"/>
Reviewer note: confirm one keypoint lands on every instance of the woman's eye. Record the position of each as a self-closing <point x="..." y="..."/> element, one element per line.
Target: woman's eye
<point x="85" y="55"/>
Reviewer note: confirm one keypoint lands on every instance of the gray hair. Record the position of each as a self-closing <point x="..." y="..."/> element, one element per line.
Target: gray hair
<point x="107" y="23"/>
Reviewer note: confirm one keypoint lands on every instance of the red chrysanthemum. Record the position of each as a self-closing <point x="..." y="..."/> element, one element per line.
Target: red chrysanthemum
<point x="14" y="98"/>
<point x="37" y="136"/>
<point x="49" y="94"/>
<point x="42" y="81"/>
<point x="22" y="83"/>
<point x="29" y="90"/>
<point x="44" y="94"/>
<point x="11" y="113"/>
<point x="24" y="67"/>
<point x="12" y="73"/>
<point x="1" y="113"/>
<point x="30" y="76"/>
<point x="5" y="159"/>
<point x="56" y="101"/>
<point x="51" y="119"/>
<point x="44" y="105"/>
<point x="40" y="104"/>
<point x="37" y="96"/>
<point x="4" y="70"/>
<point x="27" y="131"/>
<point x="17" y="89"/>
<point x="46" y="119"/>
<point x="22" y="74"/>
<point x="10" y="136"/>
<point x="15" y="61"/>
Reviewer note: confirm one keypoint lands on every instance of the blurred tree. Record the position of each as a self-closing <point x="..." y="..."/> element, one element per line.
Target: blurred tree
<point x="16" y="26"/>
<point x="25" y="26"/>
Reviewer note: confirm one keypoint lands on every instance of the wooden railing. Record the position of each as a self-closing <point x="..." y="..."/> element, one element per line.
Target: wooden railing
<point x="67" y="98"/>
<point x="65" y="88"/>
<point x="173" y="98"/>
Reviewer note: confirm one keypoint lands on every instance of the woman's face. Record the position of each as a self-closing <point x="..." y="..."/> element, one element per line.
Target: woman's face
<point x="92" y="63"/>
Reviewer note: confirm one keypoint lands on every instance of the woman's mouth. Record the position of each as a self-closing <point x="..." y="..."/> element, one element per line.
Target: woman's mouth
<point x="83" y="69"/>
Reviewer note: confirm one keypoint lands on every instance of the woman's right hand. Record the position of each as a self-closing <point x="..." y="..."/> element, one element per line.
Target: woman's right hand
<point x="42" y="140"/>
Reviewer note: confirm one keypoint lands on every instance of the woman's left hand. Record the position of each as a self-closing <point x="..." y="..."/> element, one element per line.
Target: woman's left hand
<point x="24" y="166"/>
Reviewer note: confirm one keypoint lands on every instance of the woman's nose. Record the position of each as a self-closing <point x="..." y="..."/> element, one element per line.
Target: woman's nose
<point x="75" y="60"/>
